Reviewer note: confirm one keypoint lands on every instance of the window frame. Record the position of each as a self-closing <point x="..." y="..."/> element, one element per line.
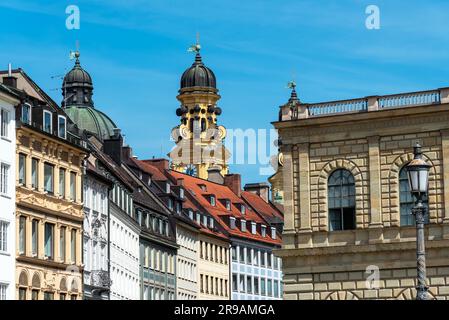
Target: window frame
<point x="59" y="127"/>
<point x="340" y="189"/>
<point x="43" y="121"/>
<point x="30" y="113"/>
<point x="4" y="125"/>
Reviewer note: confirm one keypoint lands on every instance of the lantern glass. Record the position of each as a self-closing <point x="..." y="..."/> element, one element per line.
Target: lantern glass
<point x="423" y="180"/>
<point x="413" y="180"/>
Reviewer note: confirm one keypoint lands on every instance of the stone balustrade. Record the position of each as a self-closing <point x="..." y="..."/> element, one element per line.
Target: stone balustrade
<point x="366" y="104"/>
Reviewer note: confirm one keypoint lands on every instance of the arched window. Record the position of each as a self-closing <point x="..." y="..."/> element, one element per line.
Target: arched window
<point x="341" y="200"/>
<point x="407" y="201"/>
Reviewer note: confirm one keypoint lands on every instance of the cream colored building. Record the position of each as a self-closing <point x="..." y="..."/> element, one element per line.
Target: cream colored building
<point x="213" y="267"/>
<point x="346" y="198"/>
<point x="49" y="212"/>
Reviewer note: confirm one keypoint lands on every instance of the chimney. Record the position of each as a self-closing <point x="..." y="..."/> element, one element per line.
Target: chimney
<point x="9" y="80"/>
<point x="113" y="146"/>
<point x="180" y="182"/>
<point x="214" y="174"/>
<point x="127" y="153"/>
<point x="233" y="182"/>
<point x="261" y="189"/>
<point x="161" y="164"/>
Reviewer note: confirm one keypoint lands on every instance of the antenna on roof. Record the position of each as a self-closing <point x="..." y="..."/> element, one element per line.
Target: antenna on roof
<point x="9" y="70"/>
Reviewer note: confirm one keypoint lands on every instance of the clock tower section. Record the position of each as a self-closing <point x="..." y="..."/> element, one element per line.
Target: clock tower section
<point x="199" y="139"/>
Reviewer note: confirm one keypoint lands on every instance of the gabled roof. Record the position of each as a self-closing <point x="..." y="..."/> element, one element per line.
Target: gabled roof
<point x="266" y="209"/>
<point x="219" y="211"/>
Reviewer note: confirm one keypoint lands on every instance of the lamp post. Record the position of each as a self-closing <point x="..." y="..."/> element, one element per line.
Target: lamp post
<point x="418" y="178"/>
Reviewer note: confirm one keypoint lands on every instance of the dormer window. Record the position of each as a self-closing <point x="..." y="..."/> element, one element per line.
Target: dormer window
<point x="232" y="222"/>
<point x="211" y="223"/>
<point x="47" y="123"/>
<point x="62" y="127"/>
<point x="228" y="204"/>
<point x="263" y="230"/>
<point x="242" y="209"/>
<point x="243" y="225"/>
<point x="178" y="207"/>
<point x="212" y="201"/>
<point x="167" y="188"/>
<point x="170" y="204"/>
<point x="198" y="218"/>
<point x="253" y="227"/>
<point x="181" y="193"/>
<point x="26" y="113"/>
<point x="273" y="233"/>
<point x="190" y="214"/>
<point x="205" y="220"/>
<point x="203" y="187"/>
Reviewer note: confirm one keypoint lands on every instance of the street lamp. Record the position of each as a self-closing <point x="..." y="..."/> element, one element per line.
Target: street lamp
<point x="418" y="178"/>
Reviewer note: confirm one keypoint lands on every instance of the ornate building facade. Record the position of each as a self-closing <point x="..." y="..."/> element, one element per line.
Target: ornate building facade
<point x="49" y="213"/>
<point x="111" y="235"/>
<point x="347" y="201"/>
<point x="199" y="139"/>
<point x="8" y="101"/>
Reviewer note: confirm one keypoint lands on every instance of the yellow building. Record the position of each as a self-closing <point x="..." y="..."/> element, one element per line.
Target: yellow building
<point x="49" y="212"/>
<point x="348" y="230"/>
<point x="199" y="139"/>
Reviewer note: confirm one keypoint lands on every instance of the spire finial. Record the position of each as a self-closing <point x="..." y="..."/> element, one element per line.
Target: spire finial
<point x="75" y="54"/>
<point x="293" y="96"/>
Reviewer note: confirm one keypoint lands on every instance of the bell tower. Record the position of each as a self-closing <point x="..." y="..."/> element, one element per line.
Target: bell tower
<point x="199" y="139"/>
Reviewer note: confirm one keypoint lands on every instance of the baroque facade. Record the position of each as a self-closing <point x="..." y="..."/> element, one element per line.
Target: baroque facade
<point x="49" y="214"/>
<point x="347" y="201"/>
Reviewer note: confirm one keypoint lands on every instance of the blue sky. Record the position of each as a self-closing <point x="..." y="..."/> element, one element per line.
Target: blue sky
<point x="135" y="51"/>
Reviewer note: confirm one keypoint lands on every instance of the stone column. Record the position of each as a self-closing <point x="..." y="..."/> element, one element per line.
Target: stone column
<point x="28" y="171"/>
<point x="41" y="239"/>
<point x="78" y="188"/>
<point x="304" y="188"/>
<point x="374" y="182"/>
<point x="56" y="242"/>
<point x="40" y="176"/>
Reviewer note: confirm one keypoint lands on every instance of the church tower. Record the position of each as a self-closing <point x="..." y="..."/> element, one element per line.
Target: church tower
<point x="199" y="139"/>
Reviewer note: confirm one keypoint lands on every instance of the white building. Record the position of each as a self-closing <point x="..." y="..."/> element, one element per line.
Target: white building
<point x="187" y="259"/>
<point x="256" y="272"/>
<point x="96" y="234"/>
<point x="7" y="192"/>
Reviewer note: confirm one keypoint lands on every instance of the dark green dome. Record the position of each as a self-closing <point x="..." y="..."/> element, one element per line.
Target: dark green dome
<point x="91" y="120"/>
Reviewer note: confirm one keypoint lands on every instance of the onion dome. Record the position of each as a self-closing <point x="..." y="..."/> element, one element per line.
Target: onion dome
<point x="77" y="86"/>
<point x="198" y="75"/>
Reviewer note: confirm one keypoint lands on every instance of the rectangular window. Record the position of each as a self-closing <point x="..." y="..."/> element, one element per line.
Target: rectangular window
<point x="276" y="289"/>
<point x="62" y="127"/>
<point x="3" y="288"/>
<point x="62" y="296"/>
<point x="4" y="236"/>
<point x="48" y="178"/>
<point x="263" y="260"/>
<point x="26" y="113"/>
<point x="228" y="205"/>
<point x="22" y="168"/>
<point x="47" y="125"/>
<point x="34" y="173"/>
<point x="242" y="254"/>
<point x="22" y="234"/>
<point x="243" y="225"/>
<point x="268" y="260"/>
<point x="241" y="283"/>
<point x="73" y="297"/>
<point x="249" y="256"/>
<point x="49" y="296"/>
<point x="4" y="173"/>
<point x="256" y="285"/>
<point x="5" y="123"/>
<point x="62" y="243"/>
<point x="232" y="222"/>
<point x="249" y="287"/>
<point x="275" y="262"/>
<point x="49" y="240"/>
<point x="62" y="182"/>
<point x="22" y="294"/>
<point x="270" y="287"/>
<point x="262" y="287"/>
<point x="263" y="230"/>
<point x="234" y="283"/>
<point x="72" y="186"/>
<point x="34" y="237"/>
<point x="34" y="294"/>
<point x="73" y="245"/>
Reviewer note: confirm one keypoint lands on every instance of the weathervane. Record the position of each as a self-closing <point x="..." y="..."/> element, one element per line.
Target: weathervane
<point x="291" y="85"/>
<point x="195" y="47"/>
<point x="76" y="53"/>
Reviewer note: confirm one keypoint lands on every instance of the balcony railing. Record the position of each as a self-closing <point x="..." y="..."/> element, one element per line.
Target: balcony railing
<point x="367" y="104"/>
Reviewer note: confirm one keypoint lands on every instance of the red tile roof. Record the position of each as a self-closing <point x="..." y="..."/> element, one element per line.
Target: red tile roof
<point x="220" y="212"/>
<point x="266" y="209"/>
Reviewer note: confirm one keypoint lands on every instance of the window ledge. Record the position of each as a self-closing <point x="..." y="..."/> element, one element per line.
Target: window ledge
<point x="6" y="139"/>
<point x="5" y="253"/>
<point x="4" y="195"/>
